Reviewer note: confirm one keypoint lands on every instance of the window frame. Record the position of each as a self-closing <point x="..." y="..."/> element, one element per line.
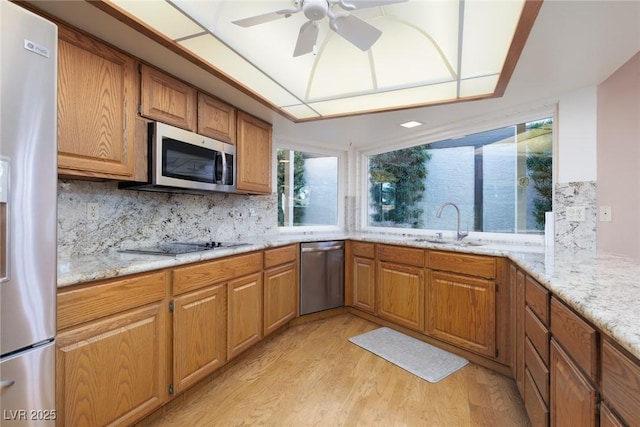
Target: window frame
<point x="457" y="131"/>
<point x="341" y="178"/>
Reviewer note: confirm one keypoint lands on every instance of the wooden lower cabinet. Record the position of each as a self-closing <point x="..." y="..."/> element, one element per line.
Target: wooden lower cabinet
<point x="573" y="398"/>
<point x="112" y="371"/>
<point x="461" y="310"/>
<point x="199" y="335"/>
<point x="401" y="294"/>
<point x="363" y="283"/>
<point x="244" y="313"/>
<point x="280" y="296"/>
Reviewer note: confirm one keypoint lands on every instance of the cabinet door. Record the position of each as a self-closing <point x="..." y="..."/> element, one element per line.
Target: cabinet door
<point x="573" y="398"/>
<point x="401" y="294"/>
<point x="244" y="321"/>
<point x="280" y="296"/>
<point x="199" y="335"/>
<point x="364" y="283"/>
<point x="112" y="371"/>
<point x="461" y="310"/>
<point x="167" y="99"/>
<point x="96" y="108"/>
<point x="216" y="119"/>
<point x="254" y="155"/>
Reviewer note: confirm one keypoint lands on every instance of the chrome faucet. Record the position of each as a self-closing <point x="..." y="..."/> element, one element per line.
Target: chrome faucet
<point x="461" y="235"/>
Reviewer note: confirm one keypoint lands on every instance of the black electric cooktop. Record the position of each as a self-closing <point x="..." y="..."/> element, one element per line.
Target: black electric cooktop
<point x="177" y="248"/>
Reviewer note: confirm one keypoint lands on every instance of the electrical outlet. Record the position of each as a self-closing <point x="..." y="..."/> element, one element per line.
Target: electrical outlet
<point x="93" y="211"/>
<point x="576" y="213"/>
<point x="605" y="214"/>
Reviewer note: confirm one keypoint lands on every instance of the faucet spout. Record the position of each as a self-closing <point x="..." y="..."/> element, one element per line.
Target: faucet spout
<point x="460" y="235"/>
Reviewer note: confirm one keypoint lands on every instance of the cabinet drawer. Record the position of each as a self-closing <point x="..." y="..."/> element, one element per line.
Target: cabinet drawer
<point x="536" y="408"/>
<point x="537" y="333"/>
<point x="577" y="337"/>
<point x="211" y="272"/>
<point x="473" y="265"/>
<point x="537" y="298"/>
<point x="621" y="382"/>
<point x="277" y="256"/>
<point x="538" y="370"/>
<point x="362" y="249"/>
<point x="401" y="255"/>
<point x="105" y="298"/>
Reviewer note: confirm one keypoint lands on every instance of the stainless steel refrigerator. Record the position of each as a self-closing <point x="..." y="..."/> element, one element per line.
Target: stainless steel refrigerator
<point x="28" y="185"/>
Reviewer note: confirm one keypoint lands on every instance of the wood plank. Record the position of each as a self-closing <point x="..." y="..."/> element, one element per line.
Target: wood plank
<point x="311" y="374"/>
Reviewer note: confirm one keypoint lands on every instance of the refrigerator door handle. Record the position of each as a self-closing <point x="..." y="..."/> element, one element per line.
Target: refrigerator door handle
<point x="6" y="384"/>
<point x="4" y="219"/>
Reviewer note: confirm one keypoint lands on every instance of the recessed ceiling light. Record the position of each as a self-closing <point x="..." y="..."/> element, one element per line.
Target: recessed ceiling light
<point x="411" y="124"/>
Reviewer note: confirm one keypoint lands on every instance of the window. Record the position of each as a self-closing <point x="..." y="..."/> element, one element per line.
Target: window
<point x="307" y="189"/>
<point x="500" y="179"/>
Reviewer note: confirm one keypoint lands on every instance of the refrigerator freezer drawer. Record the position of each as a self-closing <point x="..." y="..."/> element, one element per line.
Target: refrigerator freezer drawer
<point x="27" y="388"/>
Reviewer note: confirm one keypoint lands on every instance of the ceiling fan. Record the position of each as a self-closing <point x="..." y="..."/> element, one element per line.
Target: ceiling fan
<point x="350" y="27"/>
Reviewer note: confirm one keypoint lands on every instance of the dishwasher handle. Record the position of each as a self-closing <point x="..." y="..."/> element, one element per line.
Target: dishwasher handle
<point x="323" y="249"/>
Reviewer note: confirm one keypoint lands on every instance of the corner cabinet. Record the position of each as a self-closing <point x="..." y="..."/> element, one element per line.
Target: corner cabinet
<point x="254" y="154"/>
<point x="97" y="92"/>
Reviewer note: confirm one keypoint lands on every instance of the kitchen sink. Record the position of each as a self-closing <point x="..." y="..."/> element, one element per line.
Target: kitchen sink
<point x="449" y="242"/>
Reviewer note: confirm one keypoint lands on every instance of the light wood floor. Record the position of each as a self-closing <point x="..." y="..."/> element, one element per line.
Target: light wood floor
<point x="310" y="375"/>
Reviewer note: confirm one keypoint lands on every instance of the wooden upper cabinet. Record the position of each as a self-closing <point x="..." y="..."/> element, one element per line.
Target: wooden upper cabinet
<point x="216" y="119"/>
<point x="97" y="88"/>
<point x="254" y="155"/>
<point x="167" y="99"/>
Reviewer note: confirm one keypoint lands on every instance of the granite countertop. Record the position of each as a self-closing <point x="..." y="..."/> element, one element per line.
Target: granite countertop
<point x="603" y="288"/>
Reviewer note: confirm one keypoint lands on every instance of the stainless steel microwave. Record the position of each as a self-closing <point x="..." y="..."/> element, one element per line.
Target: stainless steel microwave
<point x="183" y="161"/>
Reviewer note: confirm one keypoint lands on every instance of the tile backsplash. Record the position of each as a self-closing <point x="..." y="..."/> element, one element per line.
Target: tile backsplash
<point x="132" y="218"/>
<point x="576" y="236"/>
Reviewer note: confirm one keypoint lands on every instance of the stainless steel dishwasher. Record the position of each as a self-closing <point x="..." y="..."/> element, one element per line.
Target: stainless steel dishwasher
<point x="321" y="276"/>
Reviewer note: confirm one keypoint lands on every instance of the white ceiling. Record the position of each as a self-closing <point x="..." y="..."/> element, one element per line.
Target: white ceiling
<point x="573" y="44"/>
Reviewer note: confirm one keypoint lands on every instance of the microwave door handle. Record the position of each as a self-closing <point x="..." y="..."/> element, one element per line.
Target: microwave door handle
<point x="224" y="167"/>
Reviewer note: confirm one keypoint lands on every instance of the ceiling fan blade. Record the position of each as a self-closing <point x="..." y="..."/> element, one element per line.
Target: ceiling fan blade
<point x="363" y="4"/>
<point x="306" y="38"/>
<point x="356" y="31"/>
<point x="265" y="17"/>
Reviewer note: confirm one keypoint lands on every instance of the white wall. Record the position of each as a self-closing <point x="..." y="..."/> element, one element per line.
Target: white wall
<point x="619" y="160"/>
<point x="577" y="136"/>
